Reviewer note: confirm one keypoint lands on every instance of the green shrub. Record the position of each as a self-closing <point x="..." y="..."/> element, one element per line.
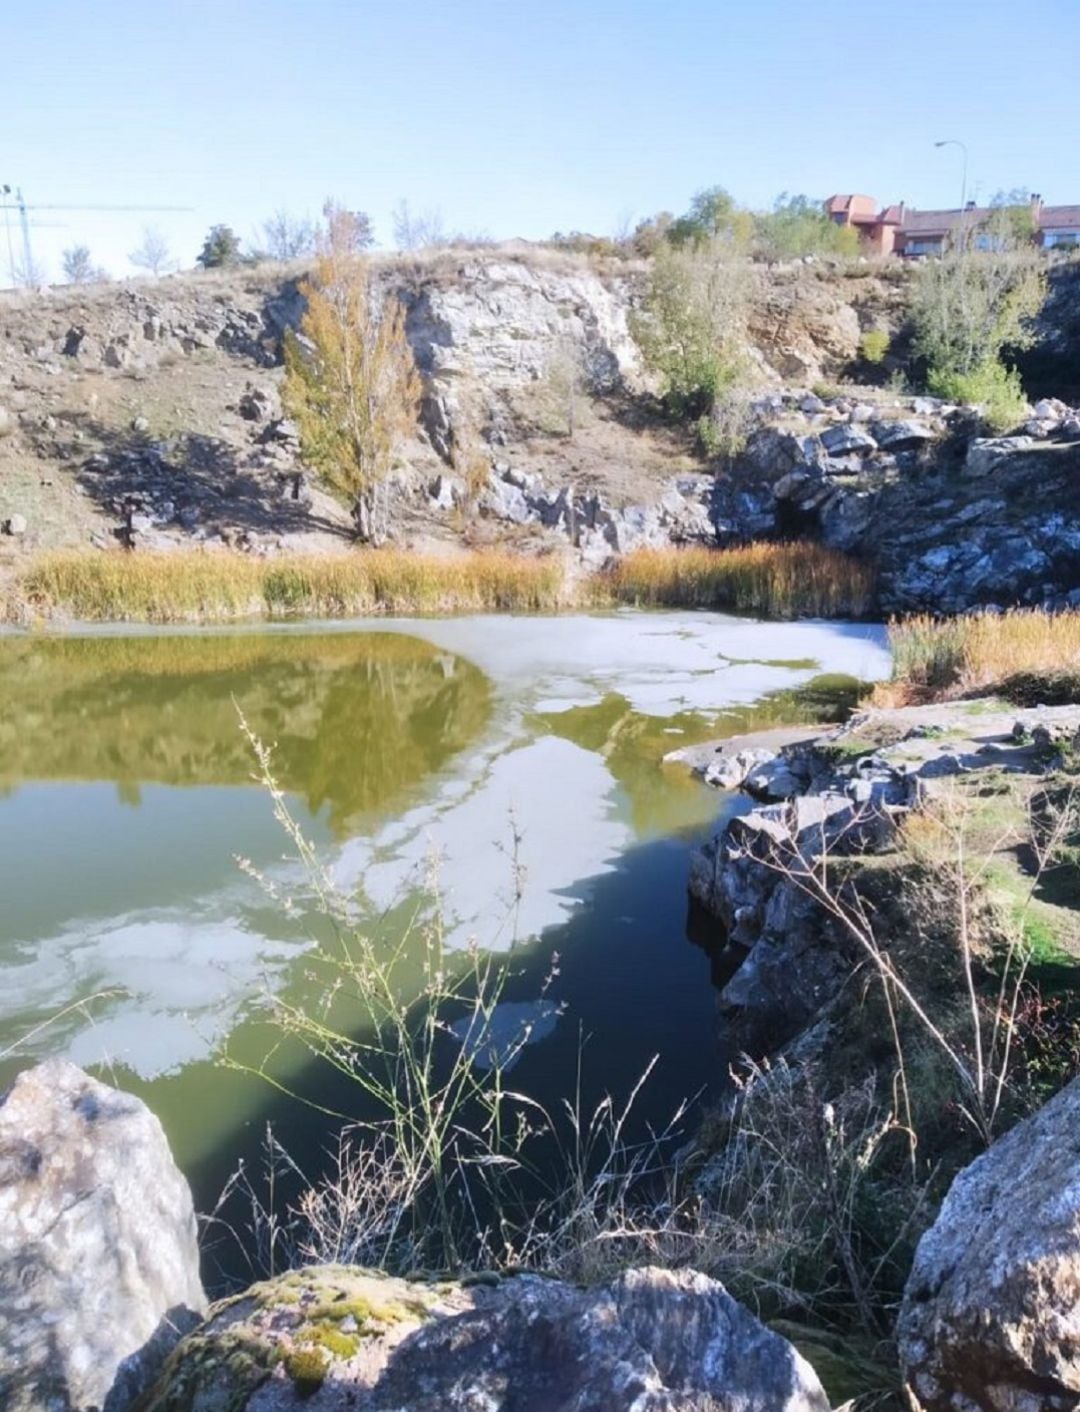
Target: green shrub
<point x="969" y="308"/>
<point x="798" y="226"/>
<point x="874" y="345"/>
<point x="220" y="248"/>
<point x="991" y="386"/>
<point x="692" y="326"/>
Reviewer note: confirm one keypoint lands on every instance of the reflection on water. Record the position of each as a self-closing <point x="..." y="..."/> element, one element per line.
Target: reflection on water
<point x="129" y="789"/>
<point x="525" y="754"/>
<point x="352" y="719"/>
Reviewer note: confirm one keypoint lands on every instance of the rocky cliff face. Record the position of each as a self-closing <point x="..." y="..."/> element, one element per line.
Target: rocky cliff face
<point x="954" y="519"/>
<point x="844" y="793"/>
<point x="148" y="414"/>
<point x="492" y="327"/>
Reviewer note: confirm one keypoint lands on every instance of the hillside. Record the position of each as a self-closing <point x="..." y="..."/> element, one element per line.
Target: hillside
<point x="148" y="414"/>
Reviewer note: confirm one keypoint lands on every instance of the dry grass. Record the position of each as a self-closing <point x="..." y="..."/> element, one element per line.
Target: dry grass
<point x="954" y="656"/>
<point x="209" y="586"/>
<point x="779" y="580"/>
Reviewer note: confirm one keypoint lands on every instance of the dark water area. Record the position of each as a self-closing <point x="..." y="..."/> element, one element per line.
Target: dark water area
<point x="135" y="941"/>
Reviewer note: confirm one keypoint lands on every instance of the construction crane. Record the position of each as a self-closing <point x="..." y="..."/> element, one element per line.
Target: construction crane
<point x="5" y="190"/>
<point x="19" y="204"/>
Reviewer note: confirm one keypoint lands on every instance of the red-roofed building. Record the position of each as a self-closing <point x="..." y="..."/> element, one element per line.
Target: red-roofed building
<point x="905" y="231"/>
<point x="877" y="229"/>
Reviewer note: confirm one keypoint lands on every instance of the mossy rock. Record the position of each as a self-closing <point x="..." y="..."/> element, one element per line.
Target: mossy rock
<point x="335" y="1339"/>
<point x="283" y="1338"/>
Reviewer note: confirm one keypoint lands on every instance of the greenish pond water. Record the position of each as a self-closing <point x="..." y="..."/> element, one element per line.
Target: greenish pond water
<point x="127" y="796"/>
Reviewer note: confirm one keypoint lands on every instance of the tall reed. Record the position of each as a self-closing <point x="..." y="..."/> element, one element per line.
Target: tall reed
<point x="779" y="580"/>
<point x="200" y="585"/>
<point x="957" y="655"/>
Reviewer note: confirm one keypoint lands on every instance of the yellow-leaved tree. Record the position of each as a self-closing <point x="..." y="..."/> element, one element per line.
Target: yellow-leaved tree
<point x="351" y="384"/>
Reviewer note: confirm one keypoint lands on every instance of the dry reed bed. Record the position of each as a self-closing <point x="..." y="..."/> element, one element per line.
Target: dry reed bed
<point x="778" y="580"/>
<point x="186" y="586"/>
<point x="963" y="655"/>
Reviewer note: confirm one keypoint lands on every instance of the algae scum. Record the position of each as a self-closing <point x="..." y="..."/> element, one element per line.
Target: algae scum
<point x="522" y="755"/>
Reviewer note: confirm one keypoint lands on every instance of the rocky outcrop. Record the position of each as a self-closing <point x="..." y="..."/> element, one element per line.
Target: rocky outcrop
<point x="500" y="325"/>
<point x="530" y="371"/>
<point x="807" y="318"/>
<point x="99" y="1266"/>
<point x="592" y="524"/>
<point x="953" y="520"/>
<point x="333" y="1338"/>
<point x="841" y="793"/>
<point x="989" y="1318"/>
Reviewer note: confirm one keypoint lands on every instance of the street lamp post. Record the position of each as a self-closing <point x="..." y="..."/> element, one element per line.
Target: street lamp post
<point x="955" y="142"/>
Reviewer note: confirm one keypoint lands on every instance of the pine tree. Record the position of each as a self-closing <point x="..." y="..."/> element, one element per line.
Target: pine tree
<point x="220" y="248"/>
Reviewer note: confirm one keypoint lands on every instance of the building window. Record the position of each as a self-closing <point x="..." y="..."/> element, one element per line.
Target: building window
<point x="1070" y="238"/>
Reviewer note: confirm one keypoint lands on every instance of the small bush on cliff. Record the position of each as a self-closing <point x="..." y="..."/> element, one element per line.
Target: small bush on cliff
<point x="221" y="248"/>
<point x="873" y="346"/>
<point x="351" y="383"/>
<point x="991" y="386"/>
<point x="970" y="308"/>
<point x="798" y="226"/>
<point x="692" y="330"/>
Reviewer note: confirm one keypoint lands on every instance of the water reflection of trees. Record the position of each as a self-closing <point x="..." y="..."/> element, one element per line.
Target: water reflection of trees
<point x="354" y="717"/>
<point x="633" y="743"/>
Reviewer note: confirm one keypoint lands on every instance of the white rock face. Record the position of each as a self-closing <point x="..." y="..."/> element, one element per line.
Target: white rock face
<point x="504" y="324"/>
<point x="991" y="1314"/>
<point x="99" y="1267"/>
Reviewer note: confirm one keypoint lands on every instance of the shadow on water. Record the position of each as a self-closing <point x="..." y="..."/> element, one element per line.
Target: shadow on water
<point x="629" y="988"/>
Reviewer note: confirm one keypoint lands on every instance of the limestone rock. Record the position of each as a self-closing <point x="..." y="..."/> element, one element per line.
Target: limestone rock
<point x="98" y="1259"/>
<point x="990" y="1313"/>
<point x="15" y="525"/>
<point x="504" y="501"/>
<point x="332" y="1338"/>
<point x="257" y="404"/>
<point x="847" y="440"/>
<point x="506" y="325"/>
<point x="774" y="779"/>
<point x="729" y="771"/>
<point x="901" y="436"/>
<point x="985" y="454"/>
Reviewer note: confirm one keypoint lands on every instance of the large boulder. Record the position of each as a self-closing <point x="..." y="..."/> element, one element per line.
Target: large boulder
<point x="991" y="1312"/>
<point x="99" y="1267"/>
<point x="331" y="1338"/>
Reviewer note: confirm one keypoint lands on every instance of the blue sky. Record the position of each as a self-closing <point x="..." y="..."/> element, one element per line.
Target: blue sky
<point x="518" y="119"/>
